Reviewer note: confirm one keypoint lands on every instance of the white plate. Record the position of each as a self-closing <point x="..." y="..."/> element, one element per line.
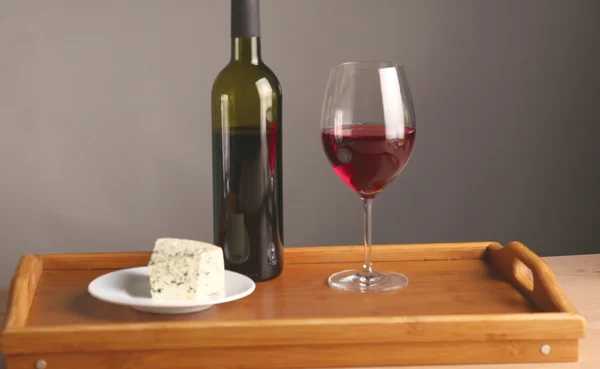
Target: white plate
<point x="131" y="287"/>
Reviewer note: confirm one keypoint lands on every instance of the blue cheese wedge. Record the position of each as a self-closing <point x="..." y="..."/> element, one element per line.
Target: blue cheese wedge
<point x="185" y="269"/>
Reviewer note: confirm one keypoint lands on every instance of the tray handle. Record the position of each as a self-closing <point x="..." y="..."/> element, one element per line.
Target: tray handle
<point x="22" y="291"/>
<point x="531" y="275"/>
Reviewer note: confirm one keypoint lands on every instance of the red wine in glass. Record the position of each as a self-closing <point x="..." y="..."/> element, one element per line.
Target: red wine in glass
<point x="368" y="132"/>
<point x="367" y="157"/>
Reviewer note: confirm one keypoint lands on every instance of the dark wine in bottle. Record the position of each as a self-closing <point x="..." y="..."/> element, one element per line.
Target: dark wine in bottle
<point x="246" y="146"/>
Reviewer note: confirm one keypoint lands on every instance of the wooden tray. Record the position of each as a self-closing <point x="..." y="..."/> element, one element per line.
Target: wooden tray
<point x="465" y="303"/>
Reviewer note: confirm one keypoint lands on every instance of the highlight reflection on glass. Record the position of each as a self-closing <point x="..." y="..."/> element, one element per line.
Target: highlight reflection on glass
<point x="368" y="133"/>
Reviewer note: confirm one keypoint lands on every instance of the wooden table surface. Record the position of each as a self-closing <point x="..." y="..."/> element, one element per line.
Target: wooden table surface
<point x="579" y="276"/>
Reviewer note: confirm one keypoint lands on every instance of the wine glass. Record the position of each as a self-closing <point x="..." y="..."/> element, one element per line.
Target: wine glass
<point x="368" y="134"/>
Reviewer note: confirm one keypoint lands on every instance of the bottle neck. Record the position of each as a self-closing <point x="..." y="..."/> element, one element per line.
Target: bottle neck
<point x="245" y="50"/>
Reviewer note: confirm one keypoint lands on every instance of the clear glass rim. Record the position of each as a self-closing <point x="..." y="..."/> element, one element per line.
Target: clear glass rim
<point x="368" y="64"/>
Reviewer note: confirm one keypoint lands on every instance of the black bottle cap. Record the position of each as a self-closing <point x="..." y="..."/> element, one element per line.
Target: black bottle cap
<point x="245" y="18"/>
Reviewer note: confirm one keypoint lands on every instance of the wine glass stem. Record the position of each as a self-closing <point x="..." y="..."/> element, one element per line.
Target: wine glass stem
<point x="368" y="265"/>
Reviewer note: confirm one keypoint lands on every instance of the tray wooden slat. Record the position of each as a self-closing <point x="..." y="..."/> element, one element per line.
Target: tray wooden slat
<point x="293" y="255"/>
<point x="313" y="356"/>
<point x="469" y="296"/>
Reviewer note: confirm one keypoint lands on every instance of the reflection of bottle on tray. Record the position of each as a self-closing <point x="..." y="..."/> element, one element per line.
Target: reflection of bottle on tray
<point x="246" y="141"/>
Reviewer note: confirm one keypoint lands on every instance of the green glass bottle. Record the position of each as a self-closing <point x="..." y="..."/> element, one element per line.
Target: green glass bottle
<point x="246" y="146"/>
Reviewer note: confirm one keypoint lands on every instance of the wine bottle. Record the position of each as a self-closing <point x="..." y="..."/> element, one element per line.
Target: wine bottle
<point x="246" y="146"/>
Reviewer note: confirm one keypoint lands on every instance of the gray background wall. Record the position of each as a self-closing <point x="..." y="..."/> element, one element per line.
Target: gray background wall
<point x="104" y="109"/>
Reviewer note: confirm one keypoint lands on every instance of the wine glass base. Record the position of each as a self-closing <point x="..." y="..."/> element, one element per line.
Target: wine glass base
<point x="359" y="281"/>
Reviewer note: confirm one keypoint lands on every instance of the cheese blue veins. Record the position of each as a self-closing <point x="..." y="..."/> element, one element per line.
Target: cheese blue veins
<point x="185" y="269"/>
